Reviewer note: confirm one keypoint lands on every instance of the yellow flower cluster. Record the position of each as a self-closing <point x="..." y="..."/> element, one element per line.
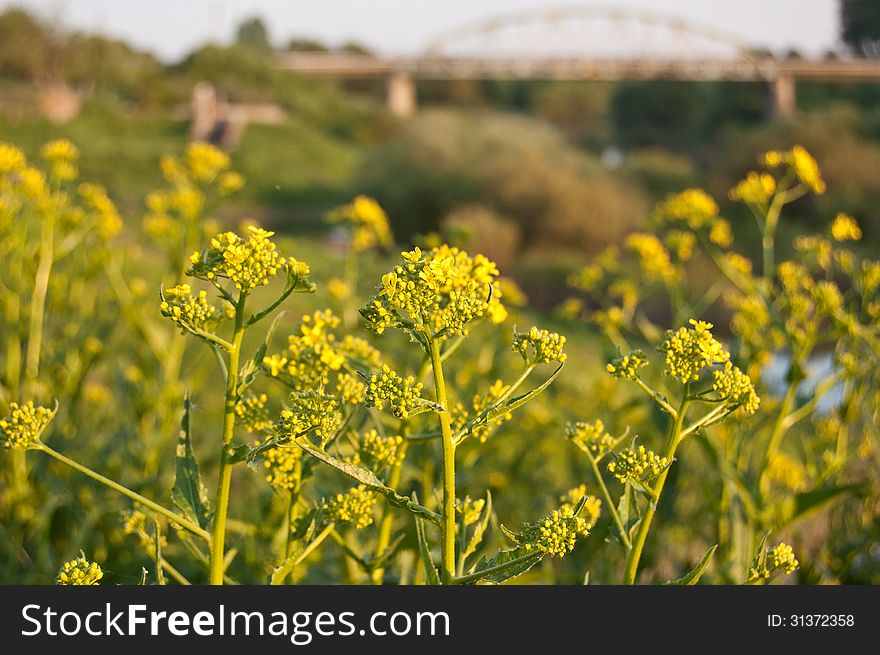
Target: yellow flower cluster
<point x="79" y="571"/>
<point x="314" y="353"/>
<point x="12" y="159"/>
<point x="108" y="222"/>
<point x="637" y="464"/>
<point x="24" y="425"/>
<point x="61" y="155"/>
<point x="800" y="164"/>
<point x="309" y="412"/>
<point x="368" y="222"/>
<point x="190" y="311"/>
<point x="247" y="263"/>
<point x="282" y="466"/>
<point x="556" y="534"/>
<point x="845" y="228"/>
<point x="592" y="506"/>
<point x="755" y="189"/>
<point x="205" y="161"/>
<point x="775" y="559"/>
<point x="736" y="388"/>
<point x="653" y="257"/>
<point x="380" y="451"/>
<point x="693" y="206"/>
<point x="591" y="437"/>
<point x="402" y="394"/>
<point x="355" y="507"/>
<point x="469" y="510"/>
<point x="135" y="523"/>
<point x="787" y="472"/>
<point x="689" y="350"/>
<point x="253" y="414"/>
<point x="442" y="290"/>
<point x="627" y="366"/>
<point x="539" y="346"/>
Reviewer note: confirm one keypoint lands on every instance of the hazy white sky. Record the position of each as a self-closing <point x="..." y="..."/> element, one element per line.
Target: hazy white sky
<point x="171" y="28"/>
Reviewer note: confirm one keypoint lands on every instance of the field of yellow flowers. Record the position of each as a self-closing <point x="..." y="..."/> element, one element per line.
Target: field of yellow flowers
<point x="183" y="404"/>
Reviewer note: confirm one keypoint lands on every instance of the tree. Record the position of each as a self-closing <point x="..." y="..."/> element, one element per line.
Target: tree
<point x="860" y="26"/>
<point x="252" y="32"/>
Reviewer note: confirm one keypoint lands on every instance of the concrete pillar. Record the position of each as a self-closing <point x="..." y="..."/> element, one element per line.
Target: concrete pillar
<point x="203" y="110"/>
<point x="401" y="94"/>
<point x="783" y="96"/>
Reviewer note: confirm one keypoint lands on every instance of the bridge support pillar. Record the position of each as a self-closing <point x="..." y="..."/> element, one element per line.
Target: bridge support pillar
<point x="783" y="96"/>
<point x="401" y="94"/>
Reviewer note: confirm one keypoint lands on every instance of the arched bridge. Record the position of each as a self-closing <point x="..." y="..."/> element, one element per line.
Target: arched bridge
<point x="584" y="43"/>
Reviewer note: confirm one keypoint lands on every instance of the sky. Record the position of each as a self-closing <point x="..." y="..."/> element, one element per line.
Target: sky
<point x="172" y="28"/>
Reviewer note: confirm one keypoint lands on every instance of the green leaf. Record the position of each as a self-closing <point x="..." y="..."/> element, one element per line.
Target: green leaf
<point x="188" y="493"/>
<point x="357" y="473"/>
<point x="505" y="565"/>
<point x="693" y="577"/>
<point x="810" y="501"/>
<point x="629" y="512"/>
<point x="255" y="364"/>
<point x="302" y="534"/>
<point x="425" y="551"/>
<point x="497" y="411"/>
<point x="479" y="528"/>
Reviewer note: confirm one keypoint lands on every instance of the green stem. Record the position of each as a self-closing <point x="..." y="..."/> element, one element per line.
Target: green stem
<point x="387" y="522"/>
<point x="125" y="491"/>
<point x="218" y="534"/>
<point x="615" y="516"/>
<point x="778" y="431"/>
<point x="635" y="553"/>
<point x="447" y="527"/>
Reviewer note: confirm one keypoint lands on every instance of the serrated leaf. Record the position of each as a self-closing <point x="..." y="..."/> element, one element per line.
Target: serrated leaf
<point x="629" y="512"/>
<point x="357" y="473"/>
<point x="425" y="552"/>
<point x="479" y="528"/>
<point x="693" y="577"/>
<point x="188" y="493"/>
<point x="510" y="534"/>
<point x="505" y="565"/>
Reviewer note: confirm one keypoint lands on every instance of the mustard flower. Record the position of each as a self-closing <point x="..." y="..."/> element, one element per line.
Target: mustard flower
<point x="653" y="257"/>
<point x="787" y="472"/>
<point x="79" y="571"/>
<point x="637" y="464"/>
<point x="469" y="510"/>
<point x="442" y="290"/>
<point x="627" y="366"/>
<point x="205" y="161"/>
<point x="556" y="534"/>
<point x="591" y="437"/>
<point x="368" y="222"/>
<point x="539" y="346"/>
<point x="692" y="206"/>
<point x="845" y="228"/>
<point x="380" y="451"/>
<point x="801" y="165"/>
<point x="309" y="412"/>
<point x="253" y="414"/>
<point x="12" y="159"/>
<point x="775" y="559"/>
<point x="24" y="425"/>
<point x="720" y="233"/>
<point x="592" y="506"/>
<point x="247" y="263"/>
<point x="61" y="155"/>
<point x="191" y="312"/>
<point x="755" y="189"/>
<point x="230" y="182"/>
<point x="736" y="387"/>
<point x="401" y="394"/>
<point x="689" y="350"/>
<point x="354" y="507"/>
<point x="350" y="389"/>
<point x="281" y="464"/>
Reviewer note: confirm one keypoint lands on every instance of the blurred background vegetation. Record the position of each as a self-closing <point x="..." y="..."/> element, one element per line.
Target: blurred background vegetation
<point x="540" y="176"/>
